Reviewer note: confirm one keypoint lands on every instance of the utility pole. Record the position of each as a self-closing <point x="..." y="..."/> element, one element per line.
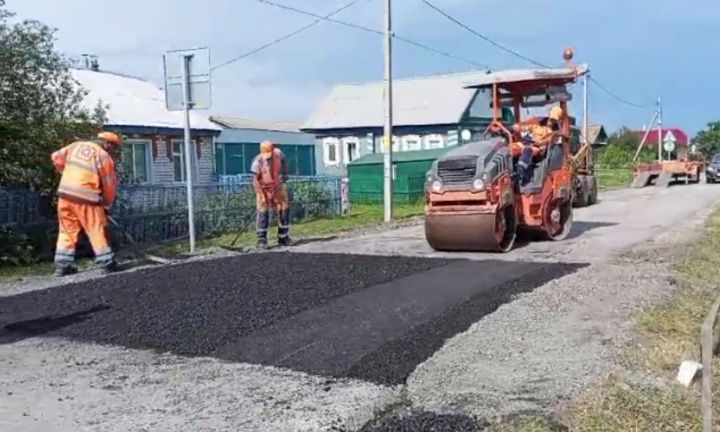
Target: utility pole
<point x="387" y="137"/>
<point x="585" y="115"/>
<point x="660" y="138"/>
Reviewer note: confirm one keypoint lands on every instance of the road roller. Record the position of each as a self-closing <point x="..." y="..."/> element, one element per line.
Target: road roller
<point x="475" y="200"/>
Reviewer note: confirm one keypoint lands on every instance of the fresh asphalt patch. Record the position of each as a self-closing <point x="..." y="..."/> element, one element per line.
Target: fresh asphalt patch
<point x="422" y="421"/>
<point x="369" y="317"/>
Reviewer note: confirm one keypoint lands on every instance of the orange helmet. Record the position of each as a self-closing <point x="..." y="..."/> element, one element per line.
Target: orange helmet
<point x="556" y="113"/>
<point x="110" y="137"/>
<point x="266" y="149"/>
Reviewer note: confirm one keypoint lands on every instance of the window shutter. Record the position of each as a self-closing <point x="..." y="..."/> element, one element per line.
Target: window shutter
<point x="154" y="146"/>
<point x="168" y="147"/>
<point x="198" y="144"/>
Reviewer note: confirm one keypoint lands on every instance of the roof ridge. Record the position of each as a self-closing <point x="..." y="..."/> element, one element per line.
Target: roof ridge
<point x="417" y="78"/>
<point x="118" y="74"/>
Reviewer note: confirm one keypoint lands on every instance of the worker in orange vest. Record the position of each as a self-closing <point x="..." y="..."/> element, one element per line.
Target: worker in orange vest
<point x="537" y="136"/>
<point x="270" y="174"/>
<point x="87" y="190"/>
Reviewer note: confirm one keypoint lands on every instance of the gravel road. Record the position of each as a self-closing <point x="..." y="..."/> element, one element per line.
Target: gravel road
<point x="338" y="337"/>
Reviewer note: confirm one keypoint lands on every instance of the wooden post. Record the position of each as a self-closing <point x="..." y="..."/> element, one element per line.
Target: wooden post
<point x="708" y="349"/>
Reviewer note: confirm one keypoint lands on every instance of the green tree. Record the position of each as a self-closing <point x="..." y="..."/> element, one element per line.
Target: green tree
<point x="40" y="104"/>
<point x="707" y="141"/>
<point x="620" y="150"/>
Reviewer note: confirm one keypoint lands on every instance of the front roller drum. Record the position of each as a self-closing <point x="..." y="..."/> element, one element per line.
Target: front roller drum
<point x="475" y="232"/>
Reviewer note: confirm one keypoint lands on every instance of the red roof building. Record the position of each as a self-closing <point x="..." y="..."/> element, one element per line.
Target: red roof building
<point x="681" y="138"/>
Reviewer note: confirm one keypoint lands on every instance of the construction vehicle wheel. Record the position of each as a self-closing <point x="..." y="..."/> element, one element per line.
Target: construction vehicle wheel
<point x="558" y="218"/>
<point x="593" y="194"/>
<point x="472" y="232"/>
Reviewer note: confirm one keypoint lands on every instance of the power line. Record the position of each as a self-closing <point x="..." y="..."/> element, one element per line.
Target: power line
<point x="517" y="54"/>
<point x="616" y="97"/>
<point x="482" y="36"/>
<point x="286" y="36"/>
<point x="370" y="30"/>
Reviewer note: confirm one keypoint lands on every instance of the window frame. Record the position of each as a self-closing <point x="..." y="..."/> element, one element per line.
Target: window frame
<point x="434" y="137"/>
<point x="406" y="142"/>
<point x="326" y="144"/>
<point x="147" y="143"/>
<point x="346" y="149"/>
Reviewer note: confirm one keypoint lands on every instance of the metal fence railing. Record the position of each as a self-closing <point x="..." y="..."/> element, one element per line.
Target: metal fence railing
<point x="155" y="213"/>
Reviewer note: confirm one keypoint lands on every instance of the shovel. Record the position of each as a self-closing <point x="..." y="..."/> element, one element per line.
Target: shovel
<point x="153" y="258"/>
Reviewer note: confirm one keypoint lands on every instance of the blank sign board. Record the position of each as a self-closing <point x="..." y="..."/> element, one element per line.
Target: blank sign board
<point x="198" y="75"/>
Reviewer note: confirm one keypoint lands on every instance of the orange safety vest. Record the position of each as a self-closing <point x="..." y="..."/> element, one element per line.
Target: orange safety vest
<point x="269" y="175"/>
<point x="88" y="173"/>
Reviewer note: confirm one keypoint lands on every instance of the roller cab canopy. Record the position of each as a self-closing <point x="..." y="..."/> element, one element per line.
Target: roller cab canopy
<point x="537" y="87"/>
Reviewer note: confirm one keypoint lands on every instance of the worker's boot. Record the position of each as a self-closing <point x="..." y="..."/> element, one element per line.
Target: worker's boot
<point x="263" y="220"/>
<point x="284" y="228"/>
<point x="65" y="270"/>
<point x="110" y="267"/>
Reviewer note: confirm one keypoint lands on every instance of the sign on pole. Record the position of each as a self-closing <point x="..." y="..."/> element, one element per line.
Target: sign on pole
<point x="187" y="86"/>
<point x="669" y="142"/>
<point x="198" y="76"/>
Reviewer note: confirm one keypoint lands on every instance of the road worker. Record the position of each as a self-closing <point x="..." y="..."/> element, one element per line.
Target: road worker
<point x="87" y="190"/>
<point x="537" y="136"/>
<point x="269" y="170"/>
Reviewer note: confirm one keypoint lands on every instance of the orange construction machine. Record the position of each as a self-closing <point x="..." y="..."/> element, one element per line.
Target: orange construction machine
<point x="518" y="178"/>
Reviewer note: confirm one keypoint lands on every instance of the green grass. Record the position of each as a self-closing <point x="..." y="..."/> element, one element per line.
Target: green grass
<point x="614" y="178"/>
<point x="359" y="216"/>
<point x="42" y="268"/>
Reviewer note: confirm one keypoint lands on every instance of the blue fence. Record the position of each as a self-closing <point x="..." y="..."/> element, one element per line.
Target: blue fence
<point x="155" y="213"/>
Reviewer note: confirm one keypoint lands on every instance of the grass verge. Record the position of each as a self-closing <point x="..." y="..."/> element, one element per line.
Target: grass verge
<point x="645" y="396"/>
<point x="360" y="216"/>
<point x="614" y="178"/>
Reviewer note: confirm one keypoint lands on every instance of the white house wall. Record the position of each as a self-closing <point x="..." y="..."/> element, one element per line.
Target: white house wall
<point x="372" y="143"/>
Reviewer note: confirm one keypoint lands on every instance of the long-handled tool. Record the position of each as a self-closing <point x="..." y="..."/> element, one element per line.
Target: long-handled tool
<point x="127" y="235"/>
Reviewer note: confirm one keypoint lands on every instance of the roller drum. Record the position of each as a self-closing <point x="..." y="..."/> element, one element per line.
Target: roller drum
<point x="474" y="232"/>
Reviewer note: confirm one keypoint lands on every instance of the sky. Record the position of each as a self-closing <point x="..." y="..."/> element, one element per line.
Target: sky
<point x="638" y="49"/>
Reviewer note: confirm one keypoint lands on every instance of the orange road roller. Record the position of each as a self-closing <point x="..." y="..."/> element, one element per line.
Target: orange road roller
<point x="513" y="179"/>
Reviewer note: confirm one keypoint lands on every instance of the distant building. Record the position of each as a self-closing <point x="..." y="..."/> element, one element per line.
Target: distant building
<point x="153" y="146"/>
<point x="429" y="113"/>
<point x="597" y="137"/>
<point x="239" y="142"/>
<point x="677" y="134"/>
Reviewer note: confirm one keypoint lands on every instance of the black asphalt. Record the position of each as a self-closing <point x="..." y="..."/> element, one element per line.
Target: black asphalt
<point x="422" y="421"/>
<point x="368" y="317"/>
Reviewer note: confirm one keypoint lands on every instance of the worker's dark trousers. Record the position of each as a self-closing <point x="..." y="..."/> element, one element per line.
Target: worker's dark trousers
<point x="263" y="221"/>
<point x="524" y="168"/>
<point x="284" y="225"/>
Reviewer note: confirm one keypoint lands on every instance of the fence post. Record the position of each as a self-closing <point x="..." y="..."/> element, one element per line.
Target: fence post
<point x="708" y="344"/>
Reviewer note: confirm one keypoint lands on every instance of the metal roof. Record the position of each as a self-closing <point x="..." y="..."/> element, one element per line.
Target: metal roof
<point x="439" y="99"/>
<point x="134" y="101"/>
<point x="268" y="125"/>
<point x="518" y="75"/>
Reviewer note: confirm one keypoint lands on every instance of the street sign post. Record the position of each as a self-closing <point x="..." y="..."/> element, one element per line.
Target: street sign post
<point x="187" y="86"/>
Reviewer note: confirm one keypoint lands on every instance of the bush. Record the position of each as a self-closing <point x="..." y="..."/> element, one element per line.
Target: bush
<point x="15" y="248"/>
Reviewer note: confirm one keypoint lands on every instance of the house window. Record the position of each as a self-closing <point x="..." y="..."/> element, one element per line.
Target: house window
<point x="412" y="142"/>
<point x="396" y="144"/>
<point x="136" y="160"/>
<point x="330" y="151"/>
<point x="178" y="160"/>
<point x="434" y="141"/>
<point x="350" y="149"/>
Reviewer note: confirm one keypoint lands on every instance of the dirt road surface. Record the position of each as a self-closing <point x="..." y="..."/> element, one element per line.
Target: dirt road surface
<point x="336" y="336"/>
